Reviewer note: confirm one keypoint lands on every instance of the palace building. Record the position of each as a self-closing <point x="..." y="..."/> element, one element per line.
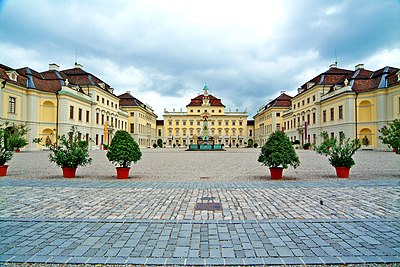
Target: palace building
<point x="182" y="128"/>
<point x="345" y="103"/>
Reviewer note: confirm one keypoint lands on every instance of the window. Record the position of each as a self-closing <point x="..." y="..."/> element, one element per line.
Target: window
<point x="212" y="123"/>
<point x="278" y="126"/>
<point x="314" y="138"/>
<point x="198" y="110"/>
<point x="240" y="123"/>
<point x="102" y="119"/>
<point x="98" y="98"/>
<point x="308" y="118"/>
<point x="116" y="105"/>
<point x="108" y="102"/>
<point x="184" y="123"/>
<point x="302" y="103"/>
<point x="226" y="123"/>
<point x="102" y="100"/>
<point x="11" y="104"/>
<point x="212" y="111"/>
<point x="71" y="112"/>
<point x="314" y="118"/>
<point x="332" y="135"/>
<point x="112" y="121"/>
<point x="198" y="123"/>
<point x="324" y="116"/>
<point x="251" y="133"/>
<point x="80" y="114"/>
<point x="132" y="128"/>
<point x="294" y="106"/>
<point x="313" y="98"/>
<point x="97" y="118"/>
<point x="219" y="123"/>
<point x="108" y="119"/>
<point x="308" y="100"/>
<point x="112" y="104"/>
<point x="191" y="123"/>
<point x="87" y="137"/>
<point x="278" y="114"/>
<point x="191" y="111"/>
<point x="87" y="115"/>
<point x="340" y="112"/>
<point x="170" y="123"/>
<point x="233" y="123"/>
<point x="298" y="104"/>
<point x="133" y="114"/>
<point x="97" y="139"/>
<point x="176" y="122"/>
<point x="332" y="114"/>
<point x="159" y="132"/>
<point x="219" y="111"/>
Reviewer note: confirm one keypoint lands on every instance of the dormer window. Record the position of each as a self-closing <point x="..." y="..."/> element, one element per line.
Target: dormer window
<point x="13" y="75"/>
<point x="102" y="85"/>
<point x="398" y="75"/>
<point x="309" y="85"/>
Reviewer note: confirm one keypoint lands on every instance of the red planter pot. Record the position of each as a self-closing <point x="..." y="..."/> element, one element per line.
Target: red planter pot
<point x="276" y="173"/>
<point x="3" y="170"/>
<point x="123" y="173"/>
<point x="342" y="172"/>
<point x="69" y="172"/>
<point x="17" y="150"/>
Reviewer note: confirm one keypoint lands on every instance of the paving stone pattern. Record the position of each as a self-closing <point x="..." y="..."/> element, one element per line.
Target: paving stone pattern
<point x="163" y="201"/>
<point x="199" y="243"/>
<point x="157" y="224"/>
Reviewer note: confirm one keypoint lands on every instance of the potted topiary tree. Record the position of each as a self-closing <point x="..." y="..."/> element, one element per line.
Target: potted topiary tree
<point x="340" y="153"/>
<point x="16" y="139"/>
<point x="278" y="153"/>
<point x="122" y="151"/>
<point x="69" y="153"/>
<point x="6" y="152"/>
<point x="306" y="146"/>
<point x="390" y="135"/>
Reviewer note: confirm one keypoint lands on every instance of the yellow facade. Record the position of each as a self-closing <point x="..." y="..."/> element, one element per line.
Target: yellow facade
<point x="269" y="118"/>
<point x="48" y="110"/>
<point x="347" y="106"/>
<point x="182" y="128"/>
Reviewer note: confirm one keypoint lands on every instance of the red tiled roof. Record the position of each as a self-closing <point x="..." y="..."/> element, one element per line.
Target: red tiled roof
<point x="127" y="100"/>
<point x="283" y="100"/>
<point x="198" y="101"/>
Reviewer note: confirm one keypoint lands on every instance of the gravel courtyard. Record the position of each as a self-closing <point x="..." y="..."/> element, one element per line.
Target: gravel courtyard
<point x="233" y="165"/>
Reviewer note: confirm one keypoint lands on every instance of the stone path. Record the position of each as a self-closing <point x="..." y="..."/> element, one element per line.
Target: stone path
<point x="200" y="243"/>
<point x="72" y="221"/>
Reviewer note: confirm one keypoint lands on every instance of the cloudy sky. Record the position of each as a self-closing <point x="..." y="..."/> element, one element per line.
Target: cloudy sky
<point x="163" y="51"/>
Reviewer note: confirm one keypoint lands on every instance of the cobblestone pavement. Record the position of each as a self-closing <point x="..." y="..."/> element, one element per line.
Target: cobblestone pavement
<point x="315" y="219"/>
<point x="157" y="223"/>
<point x="169" y="201"/>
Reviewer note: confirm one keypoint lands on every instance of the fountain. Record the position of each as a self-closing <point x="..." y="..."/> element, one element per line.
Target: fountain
<point x="205" y="142"/>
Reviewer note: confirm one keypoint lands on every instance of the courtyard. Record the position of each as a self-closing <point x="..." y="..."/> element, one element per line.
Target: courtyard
<point x="200" y="208"/>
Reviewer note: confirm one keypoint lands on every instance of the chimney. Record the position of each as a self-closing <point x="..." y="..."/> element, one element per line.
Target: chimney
<point x="128" y="92"/>
<point x="78" y="66"/>
<point x="359" y="66"/>
<point x="334" y="65"/>
<point x="54" y="66"/>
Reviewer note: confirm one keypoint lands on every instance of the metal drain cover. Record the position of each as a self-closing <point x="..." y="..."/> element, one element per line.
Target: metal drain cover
<point x="208" y="198"/>
<point x="208" y="206"/>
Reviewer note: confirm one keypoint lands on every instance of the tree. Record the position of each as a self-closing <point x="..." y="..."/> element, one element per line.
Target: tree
<point x="123" y="149"/>
<point x="390" y="135"/>
<point x="278" y="151"/>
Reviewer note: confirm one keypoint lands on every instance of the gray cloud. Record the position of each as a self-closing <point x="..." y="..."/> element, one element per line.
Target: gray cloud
<point x="247" y="52"/>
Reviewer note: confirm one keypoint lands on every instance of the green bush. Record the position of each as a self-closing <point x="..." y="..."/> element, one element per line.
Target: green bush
<point x="340" y="154"/>
<point x="70" y="151"/>
<point x="160" y="143"/>
<point x="6" y="152"/>
<point x="306" y="145"/>
<point x="390" y="135"/>
<point x="16" y="139"/>
<point x="123" y="150"/>
<point x="278" y="151"/>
